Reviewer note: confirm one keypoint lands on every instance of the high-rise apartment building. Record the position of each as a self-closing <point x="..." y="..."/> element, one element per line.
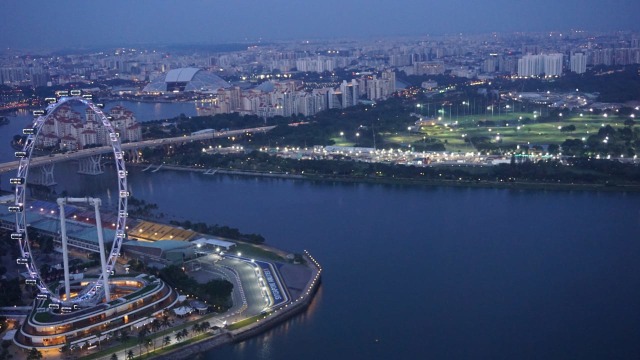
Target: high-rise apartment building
<point x="553" y="64"/>
<point x="531" y="65"/>
<point x="578" y="63"/>
<point x="536" y="65"/>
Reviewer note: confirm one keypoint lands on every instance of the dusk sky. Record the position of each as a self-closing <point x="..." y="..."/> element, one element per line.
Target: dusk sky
<point x="30" y="24"/>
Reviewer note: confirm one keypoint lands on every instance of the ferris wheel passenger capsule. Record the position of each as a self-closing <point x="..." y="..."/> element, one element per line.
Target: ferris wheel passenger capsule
<point x="15" y="209"/>
<point x="16" y="181"/>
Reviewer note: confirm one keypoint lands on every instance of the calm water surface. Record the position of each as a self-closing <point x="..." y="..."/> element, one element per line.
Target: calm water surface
<point x="423" y="273"/>
<point x="440" y="273"/>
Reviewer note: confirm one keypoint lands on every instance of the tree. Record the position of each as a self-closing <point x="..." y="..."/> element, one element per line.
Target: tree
<point x="179" y="336"/>
<point x="166" y="341"/>
<point x="97" y="334"/>
<point x="65" y="348"/>
<point x="573" y="146"/>
<point x="155" y="325"/>
<point x="114" y="356"/>
<point x="142" y="338"/>
<point x="34" y="354"/>
<point x="204" y="326"/>
<point x="130" y="355"/>
<point x="553" y="148"/>
<point x="148" y="343"/>
<point x="165" y="320"/>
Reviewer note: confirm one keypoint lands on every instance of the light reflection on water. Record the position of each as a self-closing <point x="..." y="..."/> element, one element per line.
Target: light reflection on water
<point x="433" y="272"/>
<point x="262" y="346"/>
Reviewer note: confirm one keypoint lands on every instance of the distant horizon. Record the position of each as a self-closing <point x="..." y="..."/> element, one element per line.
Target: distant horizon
<point x="275" y="41"/>
<point x="63" y="24"/>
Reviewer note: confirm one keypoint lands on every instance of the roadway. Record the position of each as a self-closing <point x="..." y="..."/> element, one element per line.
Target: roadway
<point x="252" y="288"/>
<point x="248" y="292"/>
<point x="74" y="155"/>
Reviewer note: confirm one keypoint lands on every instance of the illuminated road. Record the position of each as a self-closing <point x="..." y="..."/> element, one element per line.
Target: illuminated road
<point x="74" y="155"/>
<point x="248" y="298"/>
<point x="252" y="289"/>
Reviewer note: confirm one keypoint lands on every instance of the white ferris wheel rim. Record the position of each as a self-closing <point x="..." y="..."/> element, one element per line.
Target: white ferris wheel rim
<point x="20" y="199"/>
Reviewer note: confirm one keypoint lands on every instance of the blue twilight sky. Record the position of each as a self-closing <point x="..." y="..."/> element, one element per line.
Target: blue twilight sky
<point x="41" y="24"/>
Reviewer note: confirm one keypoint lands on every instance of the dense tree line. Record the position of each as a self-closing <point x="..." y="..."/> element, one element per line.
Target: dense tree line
<point x="218" y="230"/>
<point x="217" y="293"/>
<point x="578" y="170"/>
<point x="621" y="141"/>
<point x="368" y="121"/>
<point x="139" y="207"/>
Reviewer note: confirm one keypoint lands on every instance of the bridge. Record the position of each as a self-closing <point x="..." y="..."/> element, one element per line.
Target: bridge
<point x="46" y="162"/>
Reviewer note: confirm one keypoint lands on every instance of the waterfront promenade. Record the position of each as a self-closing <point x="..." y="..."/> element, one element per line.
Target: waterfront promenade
<point x="229" y="327"/>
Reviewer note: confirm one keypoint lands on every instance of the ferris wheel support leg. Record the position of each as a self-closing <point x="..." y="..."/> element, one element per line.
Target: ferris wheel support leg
<point x="90" y="165"/>
<point x="47" y="173"/>
<point x="103" y="261"/>
<point x="65" y="253"/>
<point x="46" y="176"/>
<point x="134" y="157"/>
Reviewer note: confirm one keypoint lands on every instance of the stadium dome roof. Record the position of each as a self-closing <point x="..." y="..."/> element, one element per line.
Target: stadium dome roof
<point x="186" y="79"/>
<point x="267" y="86"/>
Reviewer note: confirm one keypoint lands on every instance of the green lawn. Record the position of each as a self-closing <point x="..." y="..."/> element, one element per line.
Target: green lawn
<point x="245" y="322"/>
<point x="250" y="251"/>
<point x="512" y="133"/>
<point x="341" y="141"/>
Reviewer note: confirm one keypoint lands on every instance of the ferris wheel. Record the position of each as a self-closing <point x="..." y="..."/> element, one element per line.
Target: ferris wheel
<point x="108" y="262"/>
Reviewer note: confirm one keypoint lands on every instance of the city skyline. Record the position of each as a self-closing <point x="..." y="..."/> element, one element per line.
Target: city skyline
<point x="121" y="23"/>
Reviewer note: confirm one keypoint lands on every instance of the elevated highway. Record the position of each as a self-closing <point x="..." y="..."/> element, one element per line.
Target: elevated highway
<point x="75" y="155"/>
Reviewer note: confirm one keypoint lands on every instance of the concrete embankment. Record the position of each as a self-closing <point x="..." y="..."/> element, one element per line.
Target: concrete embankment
<point x="276" y="317"/>
<point x="521" y="185"/>
<point x="227" y="172"/>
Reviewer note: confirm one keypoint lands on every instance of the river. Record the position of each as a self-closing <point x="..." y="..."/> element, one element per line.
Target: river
<point x="427" y="272"/>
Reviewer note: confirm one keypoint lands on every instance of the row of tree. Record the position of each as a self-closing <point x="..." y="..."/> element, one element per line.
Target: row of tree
<point x="582" y="170"/>
<point x="219" y="230"/>
<point x="216" y="293"/>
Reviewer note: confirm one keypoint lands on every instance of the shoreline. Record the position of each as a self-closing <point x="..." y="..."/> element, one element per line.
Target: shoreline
<point x="400" y="181"/>
<point x="270" y="321"/>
